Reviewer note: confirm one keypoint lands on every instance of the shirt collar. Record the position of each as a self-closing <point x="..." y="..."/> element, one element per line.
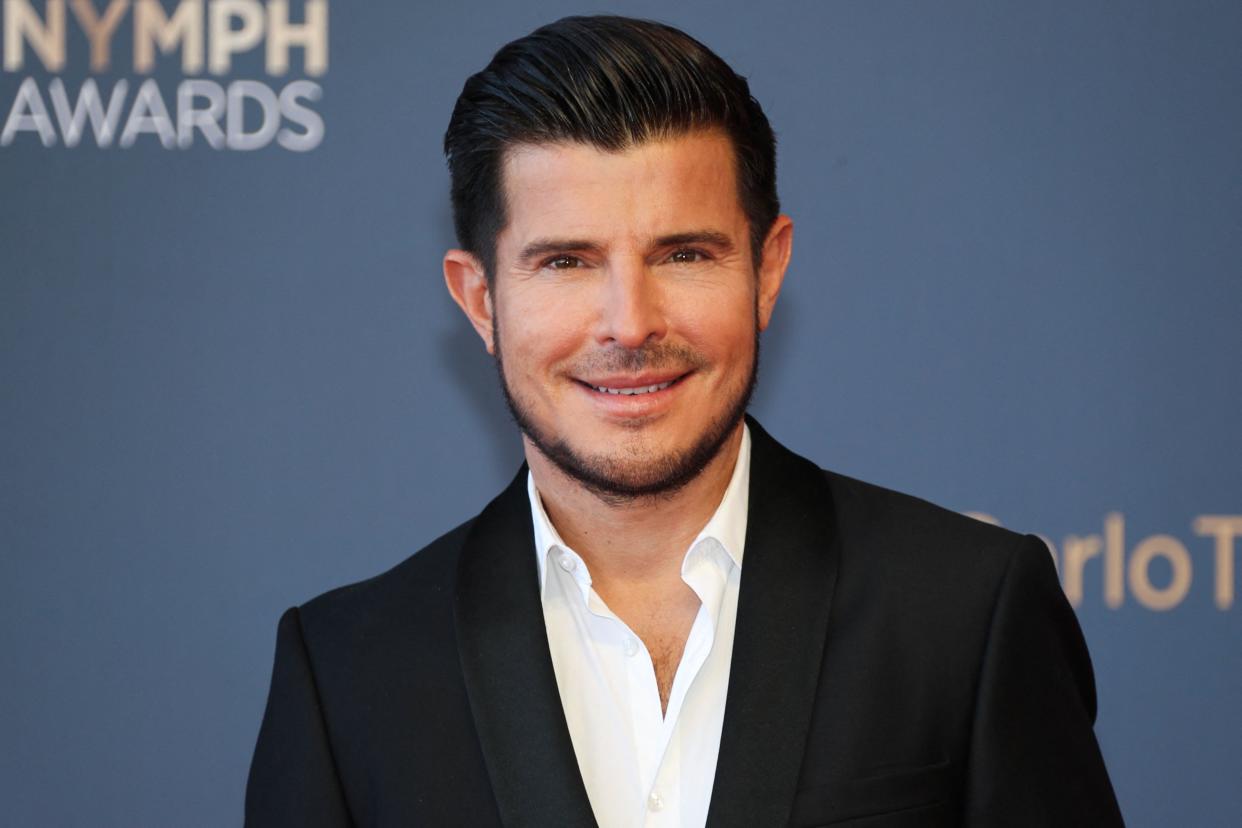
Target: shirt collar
<point x="727" y="525"/>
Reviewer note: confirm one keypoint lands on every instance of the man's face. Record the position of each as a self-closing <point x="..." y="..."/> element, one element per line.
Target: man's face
<point x="626" y="308"/>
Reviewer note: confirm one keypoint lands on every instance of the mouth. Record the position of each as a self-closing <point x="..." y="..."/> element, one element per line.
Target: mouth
<point x="630" y="391"/>
<point x="635" y="384"/>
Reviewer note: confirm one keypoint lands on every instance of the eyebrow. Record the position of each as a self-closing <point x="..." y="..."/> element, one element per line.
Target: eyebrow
<point x="547" y="246"/>
<point x="713" y="238"/>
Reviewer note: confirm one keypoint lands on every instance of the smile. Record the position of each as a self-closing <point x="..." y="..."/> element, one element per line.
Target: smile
<point x="626" y="397"/>
<point x="646" y="389"/>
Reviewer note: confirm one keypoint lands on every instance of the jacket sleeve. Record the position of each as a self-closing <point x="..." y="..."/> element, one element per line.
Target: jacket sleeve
<point x="293" y="777"/>
<point x="1034" y="759"/>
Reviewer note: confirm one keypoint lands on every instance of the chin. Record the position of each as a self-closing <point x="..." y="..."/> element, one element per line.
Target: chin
<point x="657" y="458"/>
<point x="628" y="476"/>
<point x="641" y="466"/>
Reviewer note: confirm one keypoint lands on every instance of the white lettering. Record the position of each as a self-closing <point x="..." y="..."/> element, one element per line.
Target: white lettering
<point x="239" y="93"/>
<point x="206" y="120"/>
<point x="28" y="114"/>
<point x="149" y="115"/>
<point x="310" y="121"/>
<point x="88" y="105"/>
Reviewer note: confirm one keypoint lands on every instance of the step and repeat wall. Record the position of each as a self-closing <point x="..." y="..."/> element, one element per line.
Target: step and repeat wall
<point x="230" y="377"/>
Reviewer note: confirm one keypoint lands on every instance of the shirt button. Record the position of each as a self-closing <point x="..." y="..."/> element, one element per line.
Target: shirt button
<point x="567" y="563"/>
<point x="654" y="802"/>
<point x="631" y="649"/>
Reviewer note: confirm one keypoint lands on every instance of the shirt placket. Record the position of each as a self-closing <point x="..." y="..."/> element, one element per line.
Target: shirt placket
<point x="663" y="805"/>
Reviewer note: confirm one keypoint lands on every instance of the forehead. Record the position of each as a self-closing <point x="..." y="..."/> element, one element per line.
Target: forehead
<point x="647" y="189"/>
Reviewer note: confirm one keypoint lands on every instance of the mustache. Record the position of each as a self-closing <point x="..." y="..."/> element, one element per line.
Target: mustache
<point x="660" y="356"/>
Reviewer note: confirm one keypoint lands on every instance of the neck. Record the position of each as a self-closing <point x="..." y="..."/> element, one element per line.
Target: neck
<point x="639" y="540"/>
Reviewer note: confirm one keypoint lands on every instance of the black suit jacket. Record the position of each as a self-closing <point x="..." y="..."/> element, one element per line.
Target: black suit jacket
<point x="894" y="664"/>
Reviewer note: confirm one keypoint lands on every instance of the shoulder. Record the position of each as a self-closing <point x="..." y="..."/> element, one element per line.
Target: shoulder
<point x="918" y="553"/>
<point x="416" y="593"/>
<point x="874" y="514"/>
<point x="885" y="542"/>
<point x="935" y="585"/>
<point x="411" y="605"/>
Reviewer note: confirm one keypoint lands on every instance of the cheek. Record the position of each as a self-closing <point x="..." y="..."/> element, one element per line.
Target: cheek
<point x="723" y="327"/>
<point x="535" y="334"/>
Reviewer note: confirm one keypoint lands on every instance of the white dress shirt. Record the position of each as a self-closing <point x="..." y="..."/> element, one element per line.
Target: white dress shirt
<point x="642" y="767"/>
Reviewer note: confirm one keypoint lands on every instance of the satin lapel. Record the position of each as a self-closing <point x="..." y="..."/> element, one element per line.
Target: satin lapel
<point x="508" y="670"/>
<point x="788" y="575"/>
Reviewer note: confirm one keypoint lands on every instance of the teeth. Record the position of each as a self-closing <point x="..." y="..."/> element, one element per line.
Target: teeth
<point x="629" y="392"/>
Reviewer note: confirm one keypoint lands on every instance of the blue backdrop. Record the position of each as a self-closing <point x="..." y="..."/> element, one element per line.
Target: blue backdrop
<point x="228" y="367"/>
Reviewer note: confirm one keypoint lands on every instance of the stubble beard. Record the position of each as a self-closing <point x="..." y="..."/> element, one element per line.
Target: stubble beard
<point x="612" y="479"/>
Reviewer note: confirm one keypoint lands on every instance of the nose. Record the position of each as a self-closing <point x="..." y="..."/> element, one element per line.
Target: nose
<point x="633" y="307"/>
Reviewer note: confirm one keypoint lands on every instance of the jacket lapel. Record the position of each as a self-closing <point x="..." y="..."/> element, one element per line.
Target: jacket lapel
<point x="783" y="606"/>
<point x="508" y="670"/>
<point x="782" y="618"/>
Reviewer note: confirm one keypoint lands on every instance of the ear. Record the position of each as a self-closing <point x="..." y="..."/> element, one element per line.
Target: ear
<point x="467" y="283"/>
<point x="777" y="248"/>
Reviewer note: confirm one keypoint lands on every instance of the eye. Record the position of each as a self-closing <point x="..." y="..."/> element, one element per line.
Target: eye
<point x="687" y="255"/>
<point x="563" y="262"/>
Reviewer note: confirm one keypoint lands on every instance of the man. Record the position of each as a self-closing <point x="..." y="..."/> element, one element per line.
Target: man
<point x="667" y="618"/>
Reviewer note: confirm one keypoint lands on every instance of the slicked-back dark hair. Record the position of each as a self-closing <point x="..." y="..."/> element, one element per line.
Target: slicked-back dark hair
<point x="611" y="82"/>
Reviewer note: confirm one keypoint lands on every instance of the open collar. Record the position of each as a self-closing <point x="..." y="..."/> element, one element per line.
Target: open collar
<point x="783" y="610"/>
<point x="727" y="525"/>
